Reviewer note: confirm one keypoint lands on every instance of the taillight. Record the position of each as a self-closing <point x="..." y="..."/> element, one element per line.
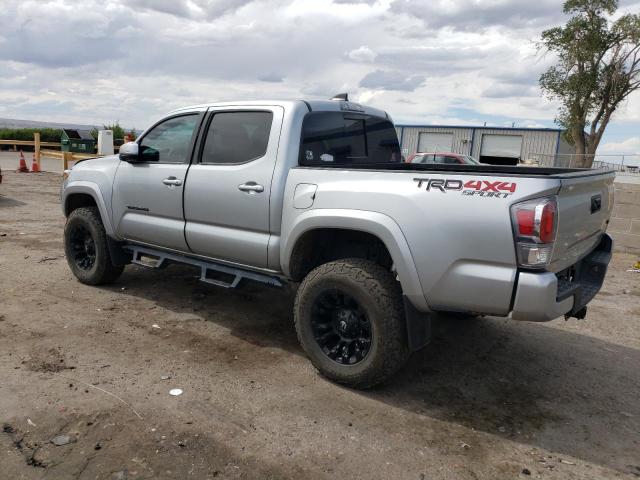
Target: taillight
<point x="548" y="223"/>
<point x="526" y="221"/>
<point x="534" y="227"/>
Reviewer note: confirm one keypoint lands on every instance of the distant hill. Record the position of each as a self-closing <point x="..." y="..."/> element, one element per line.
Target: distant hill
<point x="13" y="123"/>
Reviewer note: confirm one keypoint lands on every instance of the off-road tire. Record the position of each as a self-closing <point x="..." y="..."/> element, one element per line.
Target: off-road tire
<point x="380" y="296"/>
<point x="103" y="271"/>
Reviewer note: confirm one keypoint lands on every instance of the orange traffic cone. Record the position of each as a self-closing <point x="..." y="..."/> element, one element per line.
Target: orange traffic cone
<point x="35" y="168"/>
<point x="23" y="164"/>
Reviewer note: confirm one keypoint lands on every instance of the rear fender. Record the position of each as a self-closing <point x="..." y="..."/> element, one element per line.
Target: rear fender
<point x="377" y="224"/>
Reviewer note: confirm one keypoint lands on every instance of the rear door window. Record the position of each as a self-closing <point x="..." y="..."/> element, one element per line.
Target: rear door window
<point x="336" y="138"/>
<point x="237" y="137"/>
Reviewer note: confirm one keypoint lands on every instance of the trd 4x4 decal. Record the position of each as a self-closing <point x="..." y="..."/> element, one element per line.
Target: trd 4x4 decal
<point x="480" y="188"/>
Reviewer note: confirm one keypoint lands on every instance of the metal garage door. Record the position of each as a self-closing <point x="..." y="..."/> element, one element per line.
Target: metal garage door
<point x="509" y="146"/>
<point x="435" y="142"/>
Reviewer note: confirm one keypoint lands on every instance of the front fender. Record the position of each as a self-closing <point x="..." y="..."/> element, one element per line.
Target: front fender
<point x="378" y="224"/>
<point x="92" y="189"/>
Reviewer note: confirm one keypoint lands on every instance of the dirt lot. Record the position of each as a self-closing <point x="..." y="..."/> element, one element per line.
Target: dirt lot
<point x="489" y="398"/>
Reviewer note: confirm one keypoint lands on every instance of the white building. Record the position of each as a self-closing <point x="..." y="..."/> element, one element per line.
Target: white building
<point x="496" y="145"/>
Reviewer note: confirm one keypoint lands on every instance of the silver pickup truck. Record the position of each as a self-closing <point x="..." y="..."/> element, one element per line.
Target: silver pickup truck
<point x="316" y="192"/>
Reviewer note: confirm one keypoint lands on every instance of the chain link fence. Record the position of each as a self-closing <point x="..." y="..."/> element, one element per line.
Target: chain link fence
<point x="623" y="163"/>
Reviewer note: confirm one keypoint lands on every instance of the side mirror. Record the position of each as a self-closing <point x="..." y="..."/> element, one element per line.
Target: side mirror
<point x="129" y="152"/>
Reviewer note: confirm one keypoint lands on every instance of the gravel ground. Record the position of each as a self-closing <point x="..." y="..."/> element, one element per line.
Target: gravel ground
<point x="489" y="398"/>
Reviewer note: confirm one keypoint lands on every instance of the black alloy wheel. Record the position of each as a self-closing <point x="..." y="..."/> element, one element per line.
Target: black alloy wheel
<point x="341" y="327"/>
<point x="83" y="247"/>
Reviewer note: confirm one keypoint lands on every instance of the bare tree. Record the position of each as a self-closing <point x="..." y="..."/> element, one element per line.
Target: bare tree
<point x="597" y="68"/>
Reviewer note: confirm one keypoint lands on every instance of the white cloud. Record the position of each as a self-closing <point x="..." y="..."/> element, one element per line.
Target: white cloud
<point x="628" y="146"/>
<point x="445" y="61"/>
<point x="392" y="80"/>
<point x="362" y="54"/>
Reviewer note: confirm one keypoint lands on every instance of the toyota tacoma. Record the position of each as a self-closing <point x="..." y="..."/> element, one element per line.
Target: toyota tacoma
<point x="314" y="193"/>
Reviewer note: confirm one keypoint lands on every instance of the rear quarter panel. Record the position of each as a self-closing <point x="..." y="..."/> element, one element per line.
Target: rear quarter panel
<point x="461" y="244"/>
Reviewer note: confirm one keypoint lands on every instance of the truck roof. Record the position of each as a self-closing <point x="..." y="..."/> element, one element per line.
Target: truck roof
<point x="311" y="105"/>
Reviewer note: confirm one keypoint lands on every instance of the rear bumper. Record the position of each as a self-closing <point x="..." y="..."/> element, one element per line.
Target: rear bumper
<point x="541" y="297"/>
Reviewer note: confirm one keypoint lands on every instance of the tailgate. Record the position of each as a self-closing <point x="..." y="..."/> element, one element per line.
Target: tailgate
<point x="585" y="202"/>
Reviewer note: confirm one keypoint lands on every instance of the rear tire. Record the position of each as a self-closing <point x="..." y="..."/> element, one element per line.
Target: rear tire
<point x="352" y="304"/>
<point x="86" y="248"/>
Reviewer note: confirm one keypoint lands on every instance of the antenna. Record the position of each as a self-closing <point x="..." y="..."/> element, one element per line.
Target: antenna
<point x="341" y="96"/>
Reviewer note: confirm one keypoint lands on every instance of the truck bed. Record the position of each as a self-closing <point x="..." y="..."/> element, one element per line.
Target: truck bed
<point x="501" y="170"/>
<point x="460" y="239"/>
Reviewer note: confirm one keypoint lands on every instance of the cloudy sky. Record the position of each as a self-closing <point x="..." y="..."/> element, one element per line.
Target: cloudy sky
<point x="426" y="62"/>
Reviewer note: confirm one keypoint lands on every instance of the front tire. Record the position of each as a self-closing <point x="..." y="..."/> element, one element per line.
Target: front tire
<point x="86" y="248"/>
<point x="350" y="321"/>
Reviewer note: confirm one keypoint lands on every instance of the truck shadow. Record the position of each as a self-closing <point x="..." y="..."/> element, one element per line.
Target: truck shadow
<point x="531" y="383"/>
<point x="6" y="202"/>
<point x="254" y="313"/>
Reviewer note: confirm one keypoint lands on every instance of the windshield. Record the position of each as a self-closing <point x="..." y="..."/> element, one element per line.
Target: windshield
<point x="338" y="138"/>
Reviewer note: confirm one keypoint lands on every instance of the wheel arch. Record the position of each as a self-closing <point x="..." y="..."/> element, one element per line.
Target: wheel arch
<point x="375" y="225"/>
<point x="86" y="194"/>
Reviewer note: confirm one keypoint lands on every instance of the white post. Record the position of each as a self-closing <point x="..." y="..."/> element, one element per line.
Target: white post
<point x="105" y="142"/>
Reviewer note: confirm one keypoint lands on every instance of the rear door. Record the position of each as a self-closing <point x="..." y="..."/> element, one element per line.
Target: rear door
<point x="585" y="203"/>
<point x="226" y="200"/>
<point x="147" y="196"/>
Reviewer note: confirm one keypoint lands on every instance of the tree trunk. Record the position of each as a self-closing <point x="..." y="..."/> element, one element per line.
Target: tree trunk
<point x="578" y="139"/>
<point x="593" y="141"/>
<point x="591" y="153"/>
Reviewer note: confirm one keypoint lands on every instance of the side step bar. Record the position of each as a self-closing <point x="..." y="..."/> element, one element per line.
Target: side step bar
<point x="152" y="258"/>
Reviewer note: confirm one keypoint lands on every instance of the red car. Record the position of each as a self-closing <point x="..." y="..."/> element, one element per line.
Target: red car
<point x="446" y="157"/>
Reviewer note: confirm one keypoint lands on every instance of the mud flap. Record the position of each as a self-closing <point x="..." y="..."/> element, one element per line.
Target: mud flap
<point x="119" y="256"/>
<point x="418" y="326"/>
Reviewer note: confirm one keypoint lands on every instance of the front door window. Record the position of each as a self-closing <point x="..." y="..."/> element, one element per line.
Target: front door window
<point x="169" y="141"/>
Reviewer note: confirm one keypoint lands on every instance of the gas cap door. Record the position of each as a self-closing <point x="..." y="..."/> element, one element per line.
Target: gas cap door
<point x="304" y="195"/>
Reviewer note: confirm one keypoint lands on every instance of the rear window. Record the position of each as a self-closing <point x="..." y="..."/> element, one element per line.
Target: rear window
<point x="336" y="138"/>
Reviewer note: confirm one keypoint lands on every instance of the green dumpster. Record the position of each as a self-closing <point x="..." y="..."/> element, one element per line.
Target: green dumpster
<point x="78" y="141"/>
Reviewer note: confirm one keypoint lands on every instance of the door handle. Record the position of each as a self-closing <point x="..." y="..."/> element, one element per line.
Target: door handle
<point x="251" y="188"/>
<point x="172" y="181"/>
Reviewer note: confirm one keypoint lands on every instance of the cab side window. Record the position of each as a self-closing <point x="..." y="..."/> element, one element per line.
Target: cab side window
<point x="169" y="141"/>
<point x="338" y="138"/>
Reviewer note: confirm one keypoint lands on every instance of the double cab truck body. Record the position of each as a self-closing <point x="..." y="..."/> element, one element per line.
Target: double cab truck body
<point x="316" y="192"/>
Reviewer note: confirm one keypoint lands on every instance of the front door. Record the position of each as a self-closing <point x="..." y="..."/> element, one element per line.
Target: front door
<point x="226" y="200"/>
<point x="147" y="195"/>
